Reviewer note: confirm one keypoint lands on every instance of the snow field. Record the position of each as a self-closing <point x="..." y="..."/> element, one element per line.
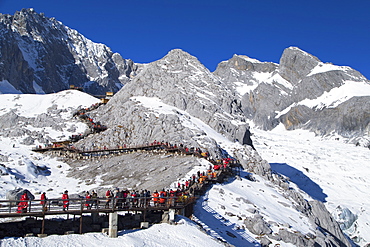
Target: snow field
<point x="340" y="170"/>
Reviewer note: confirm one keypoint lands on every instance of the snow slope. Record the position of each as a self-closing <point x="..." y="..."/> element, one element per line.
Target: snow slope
<point x="327" y="170"/>
<point x="34" y="171"/>
<point x="183" y="234"/>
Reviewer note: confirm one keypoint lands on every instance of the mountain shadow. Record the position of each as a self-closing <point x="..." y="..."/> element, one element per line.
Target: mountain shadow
<point x="220" y="228"/>
<point x="301" y="180"/>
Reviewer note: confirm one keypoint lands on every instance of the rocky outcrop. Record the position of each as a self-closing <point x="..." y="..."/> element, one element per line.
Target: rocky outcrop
<point x="17" y="193"/>
<point x="352" y="118"/>
<point x="41" y="55"/>
<point x="8" y="119"/>
<point x="243" y="69"/>
<point x="257" y="225"/>
<point x="271" y="94"/>
<point x="187" y="96"/>
<point x="295" y="65"/>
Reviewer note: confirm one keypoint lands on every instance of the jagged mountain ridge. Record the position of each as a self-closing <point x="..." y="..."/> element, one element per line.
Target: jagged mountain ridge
<point x="146" y="169"/>
<point x="161" y="103"/>
<point x="189" y="91"/>
<point x="41" y="55"/>
<point x="297" y="91"/>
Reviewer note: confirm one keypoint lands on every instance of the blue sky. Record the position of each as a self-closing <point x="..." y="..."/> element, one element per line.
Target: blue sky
<point x="213" y="31"/>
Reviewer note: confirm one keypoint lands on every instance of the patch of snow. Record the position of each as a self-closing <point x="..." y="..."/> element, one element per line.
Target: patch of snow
<point x="7" y="88"/>
<point x="334" y="97"/>
<point x="184" y="233"/>
<point x="285" y="111"/>
<point x="338" y="95"/>
<point x="325" y="67"/>
<point x="246" y="58"/>
<point x="30" y="105"/>
<point x="262" y="76"/>
<point x="37" y="88"/>
<point x="280" y="80"/>
<point x="243" y="88"/>
<point x="29" y="52"/>
<point x="334" y="172"/>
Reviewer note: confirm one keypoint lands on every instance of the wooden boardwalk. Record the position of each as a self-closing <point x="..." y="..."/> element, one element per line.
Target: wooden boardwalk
<point x="80" y="206"/>
<point x="104" y="151"/>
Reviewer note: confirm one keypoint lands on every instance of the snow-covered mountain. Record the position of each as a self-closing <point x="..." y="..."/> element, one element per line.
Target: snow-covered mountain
<point x="41" y="55"/>
<point x="229" y="211"/>
<point x="306" y="193"/>
<point x="164" y="106"/>
<point x="301" y="92"/>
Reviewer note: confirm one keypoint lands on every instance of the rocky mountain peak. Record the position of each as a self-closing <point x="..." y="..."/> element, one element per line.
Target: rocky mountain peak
<point x="167" y="98"/>
<point x="31" y="24"/>
<point x="41" y="55"/>
<point x="300" y="92"/>
<point x="295" y="64"/>
<point x="178" y="60"/>
<point x="178" y="54"/>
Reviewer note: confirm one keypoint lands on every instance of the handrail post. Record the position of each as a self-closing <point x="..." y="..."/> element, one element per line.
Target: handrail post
<point x="10" y="207"/>
<point x="29" y="205"/>
<point x="113" y="203"/>
<point x="43" y="223"/>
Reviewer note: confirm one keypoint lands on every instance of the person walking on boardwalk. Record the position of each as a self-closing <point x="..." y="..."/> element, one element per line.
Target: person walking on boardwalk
<point x="147" y="196"/>
<point x="65" y="199"/>
<point x="43" y="201"/>
<point x="23" y="204"/>
<point x="162" y="197"/>
<point x="142" y="198"/>
<point x="155" y="198"/>
<point x="118" y="197"/>
<point x="108" y="195"/>
<point x="88" y="200"/>
<point x="94" y="197"/>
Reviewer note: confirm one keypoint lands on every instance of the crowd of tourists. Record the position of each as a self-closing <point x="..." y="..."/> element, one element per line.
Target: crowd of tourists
<point x="125" y="198"/>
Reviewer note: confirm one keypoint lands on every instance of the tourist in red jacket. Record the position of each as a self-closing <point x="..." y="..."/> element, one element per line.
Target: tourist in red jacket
<point x="65" y="199"/>
<point x="43" y="201"/>
<point x="155" y="198"/>
<point x="23" y="204"/>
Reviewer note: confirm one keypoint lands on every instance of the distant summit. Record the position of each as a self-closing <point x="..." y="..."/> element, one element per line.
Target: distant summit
<point x="166" y="98"/>
<point x="301" y="92"/>
<point x="41" y="55"/>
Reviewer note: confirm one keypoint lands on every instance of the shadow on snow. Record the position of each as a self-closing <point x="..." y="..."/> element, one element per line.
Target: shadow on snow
<point x="301" y="180"/>
<point x="219" y="227"/>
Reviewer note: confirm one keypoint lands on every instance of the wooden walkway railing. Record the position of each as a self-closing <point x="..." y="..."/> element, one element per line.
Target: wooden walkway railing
<point x="9" y="208"/>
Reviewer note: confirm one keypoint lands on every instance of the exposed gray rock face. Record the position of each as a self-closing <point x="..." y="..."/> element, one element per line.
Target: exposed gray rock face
<point x="271" y="94"/>
<point x="295" y="238"/>
<point x="7" y="120"/>
<point x="180" y="83"/>
<point x="352" y="118"/>
<point x="252" y="162"/>
<point x="325" y="220"/>
<point x="17" y="193"/>
<point x="243" y="69"/>
<point x="41" y="55"/>
<point x="257" y="225"/>
<point x="296" y="64"/>
<point x="134" y="171"/>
